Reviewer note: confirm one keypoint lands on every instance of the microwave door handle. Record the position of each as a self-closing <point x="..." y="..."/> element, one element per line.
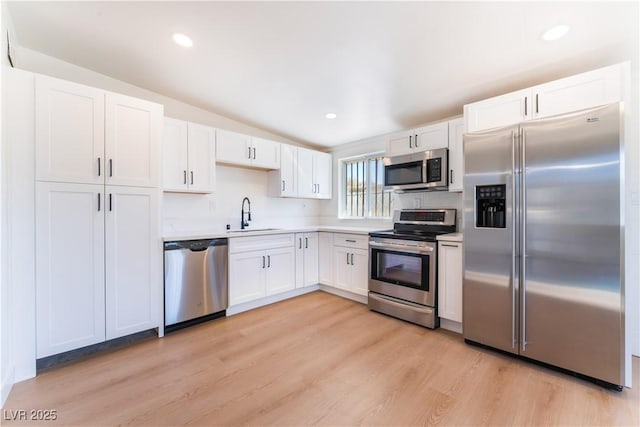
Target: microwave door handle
<point x="424" y="171"/>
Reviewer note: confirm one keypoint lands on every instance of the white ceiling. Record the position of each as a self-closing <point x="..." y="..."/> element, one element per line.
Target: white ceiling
<point x="380" y="66"/>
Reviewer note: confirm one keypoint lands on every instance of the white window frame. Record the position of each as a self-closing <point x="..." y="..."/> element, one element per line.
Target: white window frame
<point x="342" y="187"/>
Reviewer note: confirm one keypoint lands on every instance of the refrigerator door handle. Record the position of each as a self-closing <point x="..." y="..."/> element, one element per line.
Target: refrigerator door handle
<point x="523" y="238"/>
<point x="514" y="277"/>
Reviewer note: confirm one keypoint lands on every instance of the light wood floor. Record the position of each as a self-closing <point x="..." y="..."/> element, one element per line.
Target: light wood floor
<point x="323" y="360"/>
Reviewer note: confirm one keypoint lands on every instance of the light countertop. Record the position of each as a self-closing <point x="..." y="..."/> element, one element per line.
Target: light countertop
<point x="171" y="236"/>
<point x="451" y="237"/>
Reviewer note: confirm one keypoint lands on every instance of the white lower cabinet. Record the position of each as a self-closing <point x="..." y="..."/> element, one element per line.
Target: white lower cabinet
<point x="325" y="258"/>
<point x="450" y="280"/>
<point x="260" y="266"/>
<point x="306" y="259"/>
<point x="98" y="260"/>
<point x="351" y="269"/>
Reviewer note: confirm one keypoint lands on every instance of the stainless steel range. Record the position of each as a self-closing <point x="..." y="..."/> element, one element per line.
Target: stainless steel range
<point x="403" y="265"/>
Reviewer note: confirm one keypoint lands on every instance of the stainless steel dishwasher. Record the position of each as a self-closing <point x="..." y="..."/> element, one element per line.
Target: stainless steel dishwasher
<point x="195" y="281"/>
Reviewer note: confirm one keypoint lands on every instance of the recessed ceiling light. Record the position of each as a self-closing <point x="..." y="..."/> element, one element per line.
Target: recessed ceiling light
<point x="331" y="116"/>
<point x="555" y="33"/>
<point x="182" y="40"/>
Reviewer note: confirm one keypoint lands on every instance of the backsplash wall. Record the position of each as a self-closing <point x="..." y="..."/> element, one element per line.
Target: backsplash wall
<point x="432" y="200"/>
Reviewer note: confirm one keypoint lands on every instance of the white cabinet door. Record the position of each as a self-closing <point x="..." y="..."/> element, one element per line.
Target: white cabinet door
<point x="310" y="259"/>
<point x="201" y="175"/>
<point x="288" y="170"/>
<point x="299" y="245"/>
<point x="69" y="132"/>
<point x="591" y="89"/>
<point x="247" y="273"/>
<point x="431" y="137"/>
<point x="450" y="281"/>
<point x="400" y="143"/>
<point x="503" y="110"/>
<point x="132" y="138"/>
<point x="70" y="266"/>
<point x="265" y="153"/>
<point x="174" y="154"/>
<point x="280" y="270"/>
<point x="342" y="267"/>
<point x="305" y="173"/>
<point x="456" y="155"/>
<point x="322" y="170"/>
<point x="133" y="260"/>
<point x="232" y="147"/>
<point x="325" y="258"/>
<point x="359" y="261"/>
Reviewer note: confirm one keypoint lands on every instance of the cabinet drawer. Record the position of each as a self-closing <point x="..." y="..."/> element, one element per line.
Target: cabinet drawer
<point x="351" y="240"/>
<point x="257" y="243"/>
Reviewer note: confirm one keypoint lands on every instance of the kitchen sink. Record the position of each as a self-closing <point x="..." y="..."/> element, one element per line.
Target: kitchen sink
<point x="246" y="230"/>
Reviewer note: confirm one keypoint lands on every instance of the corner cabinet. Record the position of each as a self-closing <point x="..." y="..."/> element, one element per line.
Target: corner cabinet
<point x="243" y="150"/>
<point x="189" y="162"/>
<point x="585" y="90"/>
<point x="425" y="138"/>
<point x="450" y="280"/>
<point x="303" y="173"/>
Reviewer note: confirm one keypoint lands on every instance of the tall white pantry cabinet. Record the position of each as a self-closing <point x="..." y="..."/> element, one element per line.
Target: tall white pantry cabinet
<point x="98" y="246"/>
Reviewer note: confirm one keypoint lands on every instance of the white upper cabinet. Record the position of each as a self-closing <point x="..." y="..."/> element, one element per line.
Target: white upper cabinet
<point x="243" y="150"/>
<point x="266" y="153"/>
<point x="456" y="155"/>
<point x="86" y="135"/>
<point x="233" y="147"/>
<point x="306" y="183"/>
<point x="189" y="161"/>
<point x="499" y="111"/>
<point x="322" y="170"/>
<point x="132" y="137"/>
<point x="586" y="90"/>
<point x="425" y="138"/>
<point x="314" y="174"/>
<point x="175" y="165"/>
<point x="69" y="132"/>
<point x="598" y="87"/>
<point x="285" y="180"/>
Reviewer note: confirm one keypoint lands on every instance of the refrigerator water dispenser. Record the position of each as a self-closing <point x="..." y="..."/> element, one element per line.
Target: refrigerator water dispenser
<point x="490" y="206"/>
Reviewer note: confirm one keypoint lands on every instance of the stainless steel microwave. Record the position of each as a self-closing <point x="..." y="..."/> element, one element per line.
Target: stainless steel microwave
<point x="426" y="171"/>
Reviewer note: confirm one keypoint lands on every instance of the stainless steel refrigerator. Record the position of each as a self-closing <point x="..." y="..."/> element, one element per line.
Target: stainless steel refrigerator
<point x="543" y="241"/>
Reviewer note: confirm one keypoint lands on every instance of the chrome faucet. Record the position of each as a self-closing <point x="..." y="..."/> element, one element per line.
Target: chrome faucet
<point x="244" y="223"/>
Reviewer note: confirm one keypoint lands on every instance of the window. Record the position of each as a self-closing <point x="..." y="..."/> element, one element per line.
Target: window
<point x="362" y="184"/>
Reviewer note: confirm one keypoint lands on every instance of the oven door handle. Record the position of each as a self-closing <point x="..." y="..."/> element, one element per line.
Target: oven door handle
<point x="403" y="248"/>
<point x="401" y="303"/>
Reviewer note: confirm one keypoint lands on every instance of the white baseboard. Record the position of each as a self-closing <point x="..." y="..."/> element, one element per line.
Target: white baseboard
<point x="7" y="383"/>
<point x="270" y="300"/>
<point x="451" y="325"/>
<point x="344" y="294"/>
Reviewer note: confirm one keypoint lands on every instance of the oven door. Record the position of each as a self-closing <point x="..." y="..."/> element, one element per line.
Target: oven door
<point x="407" y="272"/>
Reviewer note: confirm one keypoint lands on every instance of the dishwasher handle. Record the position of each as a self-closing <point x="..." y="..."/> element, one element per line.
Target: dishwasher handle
<point x="195" y="245"/>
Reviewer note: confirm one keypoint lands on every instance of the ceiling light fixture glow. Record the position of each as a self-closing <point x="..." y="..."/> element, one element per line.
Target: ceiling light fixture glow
<point x="182" y="40"/>
<point x="555" y="33"/>
<point x="331" y="116"/>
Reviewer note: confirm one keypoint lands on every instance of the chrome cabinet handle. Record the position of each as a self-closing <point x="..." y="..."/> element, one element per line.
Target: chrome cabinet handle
<point x="300" y="242"/>
<point x="410" y="141"/>
<point x="349" y="240"/>
<point x="306" y="243"/>
<point x="450" y="176"/>
<point x="98" y="166"/>
<point x="268" y="261"/>
<point x="415" y="141"/>
<point x="254" y="153"/>
<point x="110" y="203"/>
<point x="263" y="261"/>
<point x="347" y="259"/>
<point x="352" y="260"/>
<point x="536" y="103"/>
<point x="283" y="185"/>
<point x="184" y="176"/>
<point x="191" y="177"/>
<point x="525" y="106"/>
<point x="450" y="246"/>
<point x="110" y="167"/>
<point x="99" y="202"/>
